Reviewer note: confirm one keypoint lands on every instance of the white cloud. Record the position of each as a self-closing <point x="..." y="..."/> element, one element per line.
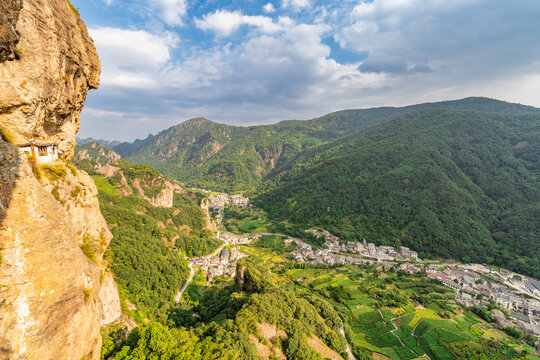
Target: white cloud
<point x="129" y="57"/>
<point x="296" y="4"/>
<point x="280" y="68"/>
<point x="107" y="2"/>
<point x="269" y="8"/>
<point x="224" y="22"/>
<point x="463" y="37"/>
<point x="172" y="11"/>
<point x="104" y="113"/>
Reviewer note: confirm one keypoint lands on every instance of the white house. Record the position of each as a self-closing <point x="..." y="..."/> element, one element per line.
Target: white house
<point x="44" y="151"/>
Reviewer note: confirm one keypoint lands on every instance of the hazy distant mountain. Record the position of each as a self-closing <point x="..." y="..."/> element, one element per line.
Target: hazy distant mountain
<point x="108" y="143"/>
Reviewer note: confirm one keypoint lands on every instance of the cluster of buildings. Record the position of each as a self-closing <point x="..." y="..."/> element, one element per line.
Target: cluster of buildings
<point x="219" y="201"/>
<point x="364" y="248"/>
<point x="533" y="286"/>
<point x="234" y="239"/>
<point x="333" y="254"/>
<point x="478" y="285"/>
<point x="474" y="284"/>
<point x="218" y="265"/>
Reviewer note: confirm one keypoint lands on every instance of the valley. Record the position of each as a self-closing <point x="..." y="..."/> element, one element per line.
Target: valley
<point x="349" y="229"/>
<point x="380" y="293"/>
<point x="382" y="233"/>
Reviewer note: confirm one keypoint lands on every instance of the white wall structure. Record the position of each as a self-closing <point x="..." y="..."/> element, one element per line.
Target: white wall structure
<point x="44" y="151"/>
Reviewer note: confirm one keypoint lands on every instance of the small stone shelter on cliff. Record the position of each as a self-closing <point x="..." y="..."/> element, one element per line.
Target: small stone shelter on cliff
<point x="44" y="151"/>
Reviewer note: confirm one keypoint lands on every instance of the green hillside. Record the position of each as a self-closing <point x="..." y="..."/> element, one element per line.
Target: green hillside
<point x="221" y="157"/>
<point x="275" y="308"/>
<point x="150" y="244"/>
<point x="457" y="184"/>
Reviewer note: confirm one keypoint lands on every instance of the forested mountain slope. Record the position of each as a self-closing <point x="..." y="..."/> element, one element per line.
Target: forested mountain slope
<point x="93" y="155"/>
<point x="205" y="154"/>
<point x="458" y="184"/>
<point x="156" y="223"/>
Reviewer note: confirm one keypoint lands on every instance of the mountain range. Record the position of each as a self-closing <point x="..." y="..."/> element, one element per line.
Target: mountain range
<point x="454" y="179"/>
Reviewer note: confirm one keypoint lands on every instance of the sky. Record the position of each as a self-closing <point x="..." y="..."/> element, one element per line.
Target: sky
<point x="255" y="62"/>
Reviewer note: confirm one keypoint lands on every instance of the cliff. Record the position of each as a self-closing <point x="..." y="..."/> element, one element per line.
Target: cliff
<point x="44" y="87"/>
<point x="55" y="289"/>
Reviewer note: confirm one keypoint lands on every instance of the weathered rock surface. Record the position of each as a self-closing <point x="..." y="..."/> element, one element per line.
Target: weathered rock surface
<point x="210" y="223"/>
<point x="9" y="36"/>
<point x="43" y="92"/>
<point x="53" y="295"/>
<point x="49" y="308"/>
<point x="77" y="193"/>
<point x="109" y="300"/>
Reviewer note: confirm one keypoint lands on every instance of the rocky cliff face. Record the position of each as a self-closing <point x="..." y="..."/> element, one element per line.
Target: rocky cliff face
<point x="9" y="36"/>
<point x="54" y="295"/>
<point x="43" y="92"/>
<point x="55" y="290"/>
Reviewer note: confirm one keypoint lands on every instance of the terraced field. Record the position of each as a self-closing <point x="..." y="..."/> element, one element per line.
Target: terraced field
<point x="428" y="325"/>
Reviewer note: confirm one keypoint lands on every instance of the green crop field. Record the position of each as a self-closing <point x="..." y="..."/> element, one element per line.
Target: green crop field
<point x="421" y="331"/>
<point x="103" y="185"/>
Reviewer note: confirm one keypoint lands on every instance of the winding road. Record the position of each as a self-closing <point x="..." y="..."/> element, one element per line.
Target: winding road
<point x="192" y="274"/>
<point x="190" y="264"/>
<point x="184" y="287"/>
<point x="347" y="347"/>
<point x="412" y="334"/>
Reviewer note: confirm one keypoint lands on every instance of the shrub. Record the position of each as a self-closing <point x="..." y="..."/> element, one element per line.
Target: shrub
<point x="88" y="247"/>
<point x="75" y="192"/>
<point x="512" y="331"/>
<point x="54" y="172"/>
<point x="87" y="294"/>
<point x="73" y="8"/>
<point x="33" y="164"/>
<point x="56" y="194"/>
<point x="18" y="53"/>
<point x="72" y="168"/>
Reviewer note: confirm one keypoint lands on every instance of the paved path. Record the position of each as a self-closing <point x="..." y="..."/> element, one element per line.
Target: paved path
<point x="347" y="347"/>
<point x="184" y="287"/>
<point x="192" y="274"/>
<point x="412" y="333"/>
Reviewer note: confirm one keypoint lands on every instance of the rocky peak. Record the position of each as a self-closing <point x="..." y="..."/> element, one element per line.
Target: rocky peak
<point x="42" y="91"/>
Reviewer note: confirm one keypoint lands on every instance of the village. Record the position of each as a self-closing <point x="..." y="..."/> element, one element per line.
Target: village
<point x="517" y="297"/>
<point x="473" y="284"/>
<point x="223" y="260"/>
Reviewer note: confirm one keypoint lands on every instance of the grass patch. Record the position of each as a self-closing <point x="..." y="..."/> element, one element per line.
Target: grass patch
<point x="53" y="172"/>
<point x="73" y="8"/>
<point x="72" y="168"/>
<point x="88" y="247"/>
<point x="56" y="194"/>
<point x="34" y="166"/>
<point x="76" y="191"/>
<point x="103" y="185"/>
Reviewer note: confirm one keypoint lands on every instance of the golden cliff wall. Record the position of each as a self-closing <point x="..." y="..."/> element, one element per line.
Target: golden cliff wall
<point x="43" y="92"/>
<point x="55" y="290"/>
